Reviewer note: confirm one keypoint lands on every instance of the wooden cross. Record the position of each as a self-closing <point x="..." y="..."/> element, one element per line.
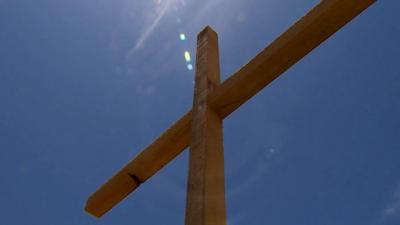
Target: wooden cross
<point x="201" y="127"/>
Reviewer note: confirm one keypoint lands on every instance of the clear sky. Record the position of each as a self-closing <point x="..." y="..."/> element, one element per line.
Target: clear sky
<point x="86" y="85"/>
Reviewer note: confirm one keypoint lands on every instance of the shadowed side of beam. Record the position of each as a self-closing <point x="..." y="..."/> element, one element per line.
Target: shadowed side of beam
<point x="309" y="32"/>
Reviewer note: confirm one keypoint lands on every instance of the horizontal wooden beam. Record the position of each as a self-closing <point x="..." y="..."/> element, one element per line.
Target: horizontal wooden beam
<point x="305" y="35"/>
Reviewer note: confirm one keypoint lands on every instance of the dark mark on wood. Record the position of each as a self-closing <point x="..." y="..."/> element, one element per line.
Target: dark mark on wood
<point x="135" y="178"/>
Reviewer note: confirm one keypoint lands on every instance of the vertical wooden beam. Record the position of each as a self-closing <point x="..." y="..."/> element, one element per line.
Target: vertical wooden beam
<point x="206" y="185"/>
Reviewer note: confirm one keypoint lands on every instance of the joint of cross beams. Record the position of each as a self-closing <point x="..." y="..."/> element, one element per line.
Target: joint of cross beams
<point x="135" y="178"/>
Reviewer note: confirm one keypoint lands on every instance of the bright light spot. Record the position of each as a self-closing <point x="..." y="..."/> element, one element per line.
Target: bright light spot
<point x="182" y="37"/>
<point x="187" y="56"/>
<point x="190" y="67"/>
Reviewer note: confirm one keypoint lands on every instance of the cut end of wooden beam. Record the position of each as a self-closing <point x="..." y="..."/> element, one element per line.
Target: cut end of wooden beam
<point x="206" y="30"/>
<point x="111" y="193"/>
<point x="91" y="209"/>
<point x="209" y="28"/>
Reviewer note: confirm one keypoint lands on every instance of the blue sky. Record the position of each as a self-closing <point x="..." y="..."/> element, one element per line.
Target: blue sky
<point x="86" y="85"/>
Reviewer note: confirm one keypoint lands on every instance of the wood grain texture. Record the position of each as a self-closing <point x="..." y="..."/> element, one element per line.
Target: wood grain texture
<point x="205" y="204"/>
<point x="305" y="35"/>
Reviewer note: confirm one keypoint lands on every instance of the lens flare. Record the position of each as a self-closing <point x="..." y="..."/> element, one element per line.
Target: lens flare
<point x="190" y="67"/>
<point x="187" y="57"/>
<point x="182" y="37"/>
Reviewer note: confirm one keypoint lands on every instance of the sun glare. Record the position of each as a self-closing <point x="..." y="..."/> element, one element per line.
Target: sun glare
<point x="182" y="37"/>
<point x="187" y="57"/>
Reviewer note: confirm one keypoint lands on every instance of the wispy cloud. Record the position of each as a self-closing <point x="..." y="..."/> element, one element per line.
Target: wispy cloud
<point x="206" y="8"/>
<point x="258" y="167"/>
<point x="145" y="90"/>
<point x="393" y="208"/>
